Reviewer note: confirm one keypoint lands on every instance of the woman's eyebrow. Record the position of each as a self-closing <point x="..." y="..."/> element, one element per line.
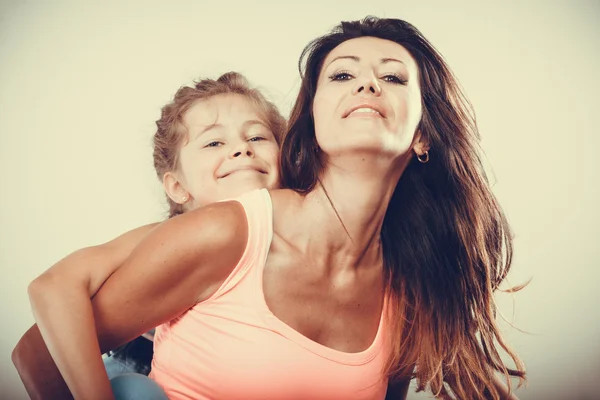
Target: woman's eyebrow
<point x="357" y="59"/>
<point x="353" y="58"/>
<point x="388" y="59"/>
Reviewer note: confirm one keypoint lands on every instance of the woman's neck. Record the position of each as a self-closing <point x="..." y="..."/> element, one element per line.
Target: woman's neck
<point x="346" y="211"/>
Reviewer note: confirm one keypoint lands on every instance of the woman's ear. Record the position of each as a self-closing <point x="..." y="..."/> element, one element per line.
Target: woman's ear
<point x="421" y="145"/>
<point x="421" y="148"/>
<point x="174" y="188"/>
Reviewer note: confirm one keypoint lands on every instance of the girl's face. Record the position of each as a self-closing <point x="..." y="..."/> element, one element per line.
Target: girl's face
<point x="229" y="151"/>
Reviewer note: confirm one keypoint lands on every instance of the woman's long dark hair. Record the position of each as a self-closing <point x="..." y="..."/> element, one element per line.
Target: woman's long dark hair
<point x="446" y="243"/>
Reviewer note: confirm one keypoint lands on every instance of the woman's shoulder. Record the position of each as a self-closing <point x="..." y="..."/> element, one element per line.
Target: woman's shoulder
<point x="285" y="198"/>
<point x="289" y="217"/>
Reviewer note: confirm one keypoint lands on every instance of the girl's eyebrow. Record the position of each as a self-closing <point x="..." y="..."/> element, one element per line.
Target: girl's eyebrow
<point x="206" y="129"/>
<point x="247" y="124"/>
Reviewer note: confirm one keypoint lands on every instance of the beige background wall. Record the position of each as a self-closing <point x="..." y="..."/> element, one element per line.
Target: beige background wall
<point x="81" y="86"/>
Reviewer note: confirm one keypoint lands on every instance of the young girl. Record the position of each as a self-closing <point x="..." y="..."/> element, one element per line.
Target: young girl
<point x="214" y="141"/>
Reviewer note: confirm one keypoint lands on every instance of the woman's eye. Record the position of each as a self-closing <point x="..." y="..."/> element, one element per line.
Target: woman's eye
<point x="341" y="76"/>
<point x="392" y="78"/>
<point x="214" y="144"/>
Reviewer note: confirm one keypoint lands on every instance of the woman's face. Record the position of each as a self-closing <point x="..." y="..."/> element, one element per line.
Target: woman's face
<point x="368" y="99"/>
<point x="229" y="150"/>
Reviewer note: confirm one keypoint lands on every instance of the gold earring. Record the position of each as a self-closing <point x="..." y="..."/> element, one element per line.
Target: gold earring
<point x="425" y="159"/>
<point x="184" y="199"/>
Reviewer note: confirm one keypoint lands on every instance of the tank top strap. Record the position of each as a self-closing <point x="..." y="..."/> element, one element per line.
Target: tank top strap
<point x="259" y="215"/>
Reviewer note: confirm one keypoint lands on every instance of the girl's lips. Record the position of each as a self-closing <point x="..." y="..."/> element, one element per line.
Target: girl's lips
<point x="233" y="171"/>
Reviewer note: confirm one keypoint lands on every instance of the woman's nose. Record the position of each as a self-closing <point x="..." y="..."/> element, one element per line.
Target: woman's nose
<point x="368" y="85"/>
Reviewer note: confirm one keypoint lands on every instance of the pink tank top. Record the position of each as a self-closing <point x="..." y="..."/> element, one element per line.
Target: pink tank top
<point x="231" y="346"/>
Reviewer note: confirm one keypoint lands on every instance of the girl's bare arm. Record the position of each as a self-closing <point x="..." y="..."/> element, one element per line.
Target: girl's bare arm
<point x="65" y="292"/>
<point x="181" y="261"/>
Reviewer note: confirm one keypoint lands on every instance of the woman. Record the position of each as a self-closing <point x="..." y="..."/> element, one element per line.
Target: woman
<point x="376" y="264"/>
<point x="243" y="134"/>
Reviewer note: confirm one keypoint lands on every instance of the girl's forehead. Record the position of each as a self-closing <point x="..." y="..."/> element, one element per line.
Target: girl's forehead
<point x="221" y="109"/>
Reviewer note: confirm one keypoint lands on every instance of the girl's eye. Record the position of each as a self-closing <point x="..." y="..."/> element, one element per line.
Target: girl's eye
<point x="256" y="139"/>
<point x="214" y="144"/>
<point x="396" y="79"/>
<point x="341" y="76"/>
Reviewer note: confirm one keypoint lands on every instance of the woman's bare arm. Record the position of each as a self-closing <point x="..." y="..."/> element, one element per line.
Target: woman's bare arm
<point x="66" y="289"/>
<point x="180" y="262"/>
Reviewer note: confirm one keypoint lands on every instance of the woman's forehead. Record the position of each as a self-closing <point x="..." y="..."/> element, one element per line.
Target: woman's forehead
<point x="370" y="49"/>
